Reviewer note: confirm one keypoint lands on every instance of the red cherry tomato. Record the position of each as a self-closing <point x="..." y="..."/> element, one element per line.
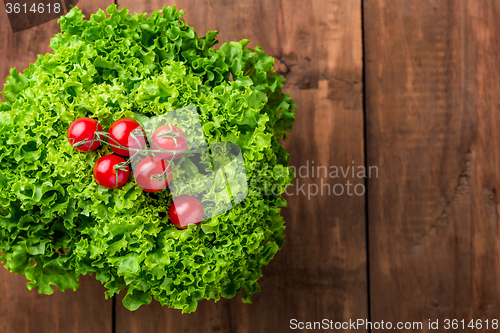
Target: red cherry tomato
<point x="83" y="129"/>
<point x="146" y="171"/>
<point x="169" y="137"/>
<point x="186" y="210"/>
<point x="120" y="134"/>
<point x="109" y="174"/>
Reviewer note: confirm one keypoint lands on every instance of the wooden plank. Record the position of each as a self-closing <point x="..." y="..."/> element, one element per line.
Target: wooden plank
<point x="432" y="87"/>
<point x="321" y="271"/>
<point x="25" y="311"/>
<point x="21" y="310"/>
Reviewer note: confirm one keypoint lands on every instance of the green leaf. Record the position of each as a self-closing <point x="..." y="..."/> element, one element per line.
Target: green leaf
<point x="135" y="298"/>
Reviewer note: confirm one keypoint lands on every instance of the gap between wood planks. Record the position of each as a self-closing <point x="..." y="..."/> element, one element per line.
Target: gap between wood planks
<point x="365" y="153"/>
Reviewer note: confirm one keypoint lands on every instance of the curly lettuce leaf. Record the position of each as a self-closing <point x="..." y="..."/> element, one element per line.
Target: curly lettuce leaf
<point x="57" y="223"/>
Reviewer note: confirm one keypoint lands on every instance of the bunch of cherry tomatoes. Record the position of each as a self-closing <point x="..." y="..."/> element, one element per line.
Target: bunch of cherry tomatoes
<point x="153" y="173"/>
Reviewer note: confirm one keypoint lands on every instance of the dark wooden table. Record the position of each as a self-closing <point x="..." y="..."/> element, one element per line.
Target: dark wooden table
<point x="408" y="87"/>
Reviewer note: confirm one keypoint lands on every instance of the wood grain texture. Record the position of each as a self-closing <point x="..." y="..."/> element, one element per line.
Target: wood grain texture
<point x="432" y="105"/>
<point x="25" y="311"/>
<point x="321" y="270"/>
<point x="21" y="310"/>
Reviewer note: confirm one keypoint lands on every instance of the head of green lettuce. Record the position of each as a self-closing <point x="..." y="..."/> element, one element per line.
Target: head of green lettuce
<point x="57" y="223"/>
